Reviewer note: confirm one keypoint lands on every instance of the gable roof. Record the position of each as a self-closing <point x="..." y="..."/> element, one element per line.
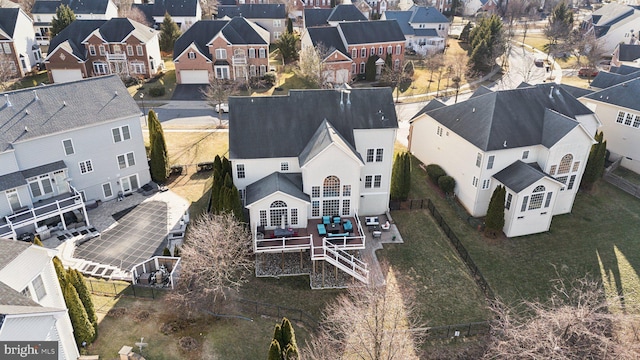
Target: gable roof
<point x="73" y="35"/>
<point x="116" y="30"/>
<point x="19" y="178"/>
<point x="426" y="14"/>
<point x="623" y="69"/>
<point x="288" y="126"/>
<point x="624" y="94"/>
<point x="238" y="31"/>
<point x="316" y="17"/>
<point x="402" y="17"/>
<point x="253" y="11"/>
<point x="288" y="183"/>
<point x="513" y="118"/>
<point x="519" y="175"/>
<point x="9" y="250"/>
<point x="610" y="14"/>
<point x="8" y="20"/>
<point x="325" y="136"/>
<point x="329" y="37"/>
<point x="78" y="6"/>
<point x="628" y="52"/>
<point x="63" y="107"/>
<point x="173" y="7"/>
<point x="346" y="12"/>
<point x="431" y="105"/>
<point x="606" y="79"/>
<point x="366" y="32"/>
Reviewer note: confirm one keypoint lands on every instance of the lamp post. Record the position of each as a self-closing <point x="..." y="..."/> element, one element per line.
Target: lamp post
<point x="143" y="112"/>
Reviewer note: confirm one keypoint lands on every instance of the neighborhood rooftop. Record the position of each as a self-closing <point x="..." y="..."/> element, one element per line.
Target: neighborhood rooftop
<point x="253" y="11"/>
<point x="8" y="18"/>
<point x="78" y="6"/>
<point x="519" y="175"/>
<point x="173" y="7"/>
<point x="624" y="94"/>
<point x="328" y="38"/>
<point x="288" y="183"/>
<point x="367" y="32"/>
<point x="292" y="120"/>
<point x="29" y="113"/>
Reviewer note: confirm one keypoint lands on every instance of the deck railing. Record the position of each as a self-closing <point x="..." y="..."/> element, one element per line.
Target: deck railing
<point x="282" y="243"/>
<point x="45" y="211"/>
<point x="341" y="259"/>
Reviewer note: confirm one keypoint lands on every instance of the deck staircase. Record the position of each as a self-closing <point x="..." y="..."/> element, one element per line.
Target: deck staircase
<point x="341" y="259"/>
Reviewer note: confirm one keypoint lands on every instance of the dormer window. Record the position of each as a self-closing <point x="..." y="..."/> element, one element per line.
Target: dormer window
<point x="191" y="55"/>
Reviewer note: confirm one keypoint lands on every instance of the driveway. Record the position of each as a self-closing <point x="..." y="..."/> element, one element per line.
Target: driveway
<point x="188" y="92"/>
<point x="139" y="234"/>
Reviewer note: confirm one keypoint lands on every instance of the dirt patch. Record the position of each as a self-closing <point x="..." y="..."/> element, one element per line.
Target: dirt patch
<point x="117" y="312"/>
<point x="141" y="315"/>
<point x="173" y="326"/>
<point x="188" y="343"/>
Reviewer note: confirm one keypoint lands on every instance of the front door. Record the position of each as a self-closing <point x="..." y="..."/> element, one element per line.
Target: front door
<point x="61" y="185"/>
<point x="14" y="200"/>
<point x="129" y="183"/>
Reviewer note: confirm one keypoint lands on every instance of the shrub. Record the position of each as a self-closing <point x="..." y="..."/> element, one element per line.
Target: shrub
<point x="447" y="184"/>
<point x="269" y="78"/>
<point x="434" y="172"/>
<point x="157" y="91"/>
<point x="166" y="252"/>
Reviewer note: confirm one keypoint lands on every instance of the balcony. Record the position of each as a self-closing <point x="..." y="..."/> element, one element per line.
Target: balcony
<point x="239" y="60"/>
<point x="116" y="57"/>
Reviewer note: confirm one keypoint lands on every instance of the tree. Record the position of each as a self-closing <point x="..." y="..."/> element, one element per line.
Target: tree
<point x="595" y="163"/>
<point x="209" y="8"/>
<point x="487" y="42"/>
<point x="26" y="5"/>
<point x="78" y="282"/>
<point x="464" y="35"/>
<point x="559" y="26"/>
<point x="433" y="63"/>
<point x="83" y="330"/>
<point x="169" y="33"/>
<point x="8" y="71"/>
<point x="311" y="67"/>
<point x="494" y="221"/>
<point x="275" y="352"/>
<point x="64" y="16"/>
<point x="370" y="68"/>
<point x="60" y="271"/>
<point x="37" y="241"/>
<point x="370" y="323"/>
<point x="218" y="92"/>
<point x="159" y="159"/>
<point x="215" y="262"/>
<point x="576" y="323"/>
<point x="288" y="46"/>
<point x="395" y="77"/>
<point x="283" y="346"/>
<point x="401" y="177"/>
<point x="289" y="25"/>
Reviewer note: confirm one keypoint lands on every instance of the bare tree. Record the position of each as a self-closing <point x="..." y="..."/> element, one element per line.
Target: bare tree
<point x="369" y="323"/>
<point x="311" y="67"/>
<point x="209" y="8"/>
<point x="433" y="62"/>
<point x="218" y="92"/>
<point x="8" y="71"/>
<point x="215" y="261"/>
<point x="27" y="5"/>
<point x="577" y="323"/>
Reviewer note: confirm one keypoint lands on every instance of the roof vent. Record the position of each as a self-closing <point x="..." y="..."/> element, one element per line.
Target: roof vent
<point x="6" y="97"/>
<point x="504" y="144"/>
<point x="35" y="96"/>
<point x="26" y="112"/>
<point x="551" y="93"/>
<point x="64" y="103"/>
<point x="26" y="129"/>
<point x="342" y="92"/>
<point x="115" y="93"/>
<point x="473" y="110"/>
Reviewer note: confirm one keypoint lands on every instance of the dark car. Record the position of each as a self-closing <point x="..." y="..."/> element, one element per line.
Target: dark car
<point x="587" y="72"/>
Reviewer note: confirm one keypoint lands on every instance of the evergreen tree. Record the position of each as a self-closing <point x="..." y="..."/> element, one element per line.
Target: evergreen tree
<point x="275" y="353"/>
<point x="464" y="35"/>
<point x="83" y="330"/>
<point x="215" y="191"/>
<point x="166" y="251"/>
<point x="370" y="68"/>
<point x="84" y="295"/>
<point x="176" y="251"/>
<point x="226" y="167"/>
<point x="406" y="188"/>
<point x="595" y="163"/>
<point x="217" y="164"/>
<point x="388" y="63"/>
<point x="236" y="204"/>
<point x="289" y="25"/>
<point x="288" y="46"/>
<point x="64" y="16"/>
<point x="494" y="222"/>
<point x="559" y="26"/>
<point x="60" y="271"/>
<point x="37" y="241"/>
<point x="487" y="42"/>
<point x="397" y="180"/>
<point x="169" y="33"/>
<point x="284" y="342"/>
<point x="159" y="164"/>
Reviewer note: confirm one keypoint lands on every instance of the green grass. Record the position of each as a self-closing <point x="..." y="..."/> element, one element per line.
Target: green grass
<point x="30" y="81"/>
<point x="627" y="175"/>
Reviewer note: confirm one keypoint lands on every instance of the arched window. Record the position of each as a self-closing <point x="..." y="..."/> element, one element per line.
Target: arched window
<point x="565" y="164"/>
<point x="331" y="186"/>
<point x="536" y="198"/>
<point x="278" y="213"/>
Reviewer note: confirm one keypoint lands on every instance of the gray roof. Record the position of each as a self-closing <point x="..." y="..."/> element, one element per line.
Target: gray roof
<point x="253" y="11"/>
<point x="75" y="33"/>
<point x="237" y="31"/>
<point x="346" y="12"/>
<point x="8" y="19"/>
<point x="173" y="7"/>
<point x="575" y="91"/>
<point x="623" y="69"/>
<point x="513" y="118"/>
<point x="519" y="175"/>
<point x="417" y="15"/>
<point x="431" y="105"/>
<point x="625" y="94"/>
<point x="19" y="178"/>
<point x="628" y="52"/>
<point x="11" y="297"/>
<point x="367" y="32"/>
<point x="63" y="107"/>
<point x="12" y="180"/>
<point x="329" y="37"/>
<point x="324" y="136"/>
<point x="78" y="6"/>
<point x="9" y="250"/>
<point x="316" y="17"/>
<point x="426" y="32"/>
<point x="288" y="183"/>
<point x="606" y="79"/>
<point x="481" y="90"/>
<point x="292" y="120"/>
<point x="610" y="14"/>
<point x="402" y="17"/>
<point x="426" y="14"/>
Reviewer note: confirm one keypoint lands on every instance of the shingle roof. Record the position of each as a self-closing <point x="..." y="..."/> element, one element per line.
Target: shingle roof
<point x="513" y="118"/>
<point x="63" y="107"/>
<point x="402" y="17"/>
<point x="623" y="69"/>
<point x="285" y="129"/>
<point x="431" y="105"/>
<point x="329" y="37"/>
<point x="8" y="19"/>
<point x="624" y="94"/>
<point x="11" y="298"/>
<point x="117" y="30"/>
<point x="426" y="14"/>
<point x="173" y="7"/>
<point x="19" y="178"/>
<point x="78" y="6"/>
<point x="519" y="175"/>
<point x="9" y="250"/>
<point x="316" y="17"/>
<point x="73" y="35"/>
<point x="253" y="11"/>
<point x="426" y="32"/>
<point x="628" y="52"/>
<point x="288" y="183"/>
<point x="346" y="12"/>
<point x="324" y="136"/>
<point x="610" y="14"/>
<point x="237" y="31"/>
<point x="606" y="79"/>
<point x="366" y="32"/>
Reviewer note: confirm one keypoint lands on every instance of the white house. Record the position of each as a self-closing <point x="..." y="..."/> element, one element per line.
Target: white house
<point x="18" y="41"/>
<point x="613" y="24"/>
<point x="65" y="144"/>
<point x="627" y="54"/>
<point x="312" y="154"/>
<point x="618" y="109"/>
<point x="534" y="140"/>
<point x="32" y="307"/>
<point x="424" y="27"/>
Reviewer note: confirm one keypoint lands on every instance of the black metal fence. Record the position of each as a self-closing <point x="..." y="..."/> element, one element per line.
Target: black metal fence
<point x="115" y="288"/>
<point x="277" y="311"/>
<point x="411" y="204"/>
<point x="458" y="330"/>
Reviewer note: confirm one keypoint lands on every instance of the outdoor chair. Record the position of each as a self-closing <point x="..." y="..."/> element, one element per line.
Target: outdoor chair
<point x="326" y="220"/>
<point x="385" y="226"/>
<point x="336" y="219"/>
<point x="322" y="231"/>
<point x="348" y="226"/>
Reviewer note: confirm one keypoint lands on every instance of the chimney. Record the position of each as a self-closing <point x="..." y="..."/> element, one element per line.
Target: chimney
<point x="342" y="92"/>
<point x="35" y="96"/>
<point x="7" y="101"/>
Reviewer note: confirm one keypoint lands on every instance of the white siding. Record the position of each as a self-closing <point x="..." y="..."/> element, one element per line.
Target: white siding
<point x="518" y="222"/>
<point x="292" y="203"/>
<point x="375" y="201"/>
<point x="256" y="169"/>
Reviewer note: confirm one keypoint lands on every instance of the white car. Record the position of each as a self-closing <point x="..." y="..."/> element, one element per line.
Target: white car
<point x="224" y="106"/>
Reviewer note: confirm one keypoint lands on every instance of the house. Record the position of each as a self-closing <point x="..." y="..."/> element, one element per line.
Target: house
<point x="312" y="154"/>
<point x="62" y="145"/>
<point x="618" y="109"/>
<point x="616" y="75"/>
<point x="472" y="7"/>
<point x="32" y="307"/>
<point x="227" y="49"/>
<point x="425" y="28"/>
<point x="613" y="24"/>
<point x="626" y="54"/>
<point x="89" y="48"/>
<point x="18" y="47"/>
<point x="534" y="140"/>
<point x="364" y="8"/>
<point x="183" y="12"/>
<point x="272" y="17"/>
<point x="349" y="45"/>
<point x="44" y="11"/>
<point x="332" y="17"/>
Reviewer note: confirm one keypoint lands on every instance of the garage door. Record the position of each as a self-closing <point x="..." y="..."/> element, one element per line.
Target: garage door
<point x="66" y="75"/>
<point x="194" y="77"/>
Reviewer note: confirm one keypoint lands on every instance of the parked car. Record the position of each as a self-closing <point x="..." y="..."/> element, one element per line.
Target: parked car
<point x="587" y="72"/>
<point x="538" y="62"/>
<point x="224" y="106"/>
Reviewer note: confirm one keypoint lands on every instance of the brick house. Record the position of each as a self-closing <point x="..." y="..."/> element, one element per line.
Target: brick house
<point x="272" y="17"/>
<point x="18" y="41"/>
<point x="236" y="49"/>
<point x="99" y="47"/>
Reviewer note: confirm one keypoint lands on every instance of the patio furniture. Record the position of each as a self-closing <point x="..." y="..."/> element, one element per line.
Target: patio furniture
<point x="205" y="166"/>
<point x="372" y="220"/>
<point x="326" y="220"/>
<point x="321" y="230"/>
<point x="348" y="226"/>
<point x="333" y="228"/>
<point x="338" y="234"/>
<point x="386" y="226"/>
<point x="336" y="219"/>
<point x="377" y="234"/>
<point x="277" y="232"/>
